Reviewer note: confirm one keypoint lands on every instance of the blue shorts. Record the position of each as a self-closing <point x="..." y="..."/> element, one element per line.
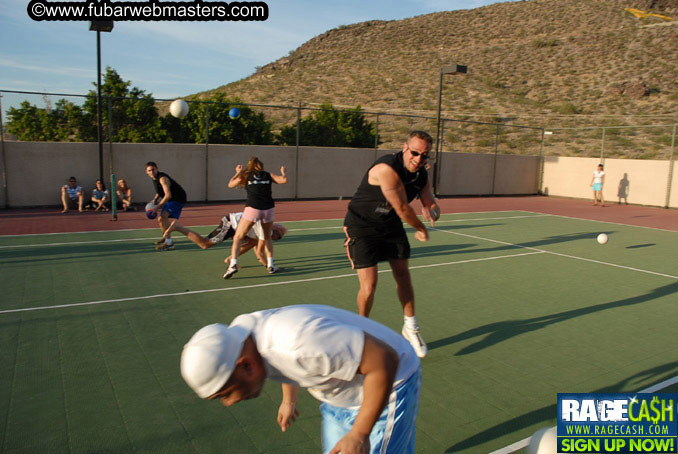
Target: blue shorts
<point x="173" y="208"/>
<point x="395" y="430"/>
<point x="597" y="186"/>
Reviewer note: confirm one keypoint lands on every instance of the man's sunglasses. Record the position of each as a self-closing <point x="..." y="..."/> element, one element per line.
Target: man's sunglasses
<point x="424" y="156"/>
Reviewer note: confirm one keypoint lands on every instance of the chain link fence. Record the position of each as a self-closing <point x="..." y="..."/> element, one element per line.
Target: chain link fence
<point x="620" y="142"/>
<point x="66" y="117"/>
<point x="55" y="117"/>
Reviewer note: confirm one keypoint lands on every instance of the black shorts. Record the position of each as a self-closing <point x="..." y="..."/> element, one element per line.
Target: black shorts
<point x="366" y="251"/>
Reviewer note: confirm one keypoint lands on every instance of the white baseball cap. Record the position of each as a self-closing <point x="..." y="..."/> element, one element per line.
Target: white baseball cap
<point x="210" y="356"/>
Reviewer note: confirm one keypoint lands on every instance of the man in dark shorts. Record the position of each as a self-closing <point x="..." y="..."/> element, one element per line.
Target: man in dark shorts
<point x="374" y="226"/>
<point x="169" y="199"/>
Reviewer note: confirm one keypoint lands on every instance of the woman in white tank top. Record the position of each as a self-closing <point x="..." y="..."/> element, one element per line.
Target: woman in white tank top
<point x="597" y="184"/>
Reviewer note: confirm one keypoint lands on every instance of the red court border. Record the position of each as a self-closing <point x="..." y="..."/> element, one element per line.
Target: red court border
<point x="50" y="220"/>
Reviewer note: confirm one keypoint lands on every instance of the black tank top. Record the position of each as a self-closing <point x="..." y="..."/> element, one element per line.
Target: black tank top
<point x="258" y="189"/>
<point x="370" y="212"/>
<point x="178" y="193"/>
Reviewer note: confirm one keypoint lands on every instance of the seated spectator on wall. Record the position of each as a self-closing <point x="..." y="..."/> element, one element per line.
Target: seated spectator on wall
<point x="72" y="196"/>
<point x="100" y="197"/>
<point x="124" y="193"/>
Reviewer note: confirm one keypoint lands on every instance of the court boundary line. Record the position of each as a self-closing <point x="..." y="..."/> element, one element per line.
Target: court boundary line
<point x="246" y="287"/>
<point x="604" y="222"/>
<point x="199" y="226"/>
<point x="526" y="441"/>
<point x="208" y="225"/>
<point x="558" y="253"/>
<point x="338" y="219"/>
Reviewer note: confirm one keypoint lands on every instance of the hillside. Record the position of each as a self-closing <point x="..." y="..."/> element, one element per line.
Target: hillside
<point x="534" y="62"/>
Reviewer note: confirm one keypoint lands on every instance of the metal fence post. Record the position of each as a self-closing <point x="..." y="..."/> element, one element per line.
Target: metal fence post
<point x="602" y="148"/>
<point x="494" y="164"/>
<point x="376" y="137"/>
<point x="114" y="202"/>
<point x="207" y="150"/>
<point x="670" y="179"/>
<point x="439" y="159"/>
<point x="296" y="158"/>
<point x="540" y="166"/>
<point x="4" y="160"/>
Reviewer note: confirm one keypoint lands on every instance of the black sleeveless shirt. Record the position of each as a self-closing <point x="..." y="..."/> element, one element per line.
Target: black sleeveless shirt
<point x="178" y="193"/>
<point x="369" y="212"/>
<point x="258" y="189"/>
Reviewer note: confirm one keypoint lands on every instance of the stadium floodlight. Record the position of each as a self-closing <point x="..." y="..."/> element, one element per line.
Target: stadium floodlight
<point x="100" y="26"/>
<point x="444" y="70"/>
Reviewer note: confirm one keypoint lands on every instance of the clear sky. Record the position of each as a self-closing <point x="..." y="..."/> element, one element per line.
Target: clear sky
<point x="173" y="59"/>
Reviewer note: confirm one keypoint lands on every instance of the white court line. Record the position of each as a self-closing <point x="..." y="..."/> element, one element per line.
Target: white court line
<point x="196" y="226"/>
<point x="606" y="222"/>
<point x="493" y="219"/>
<point x="209" y="225"/>
<point x="526" y="441"/>
<point x="154" y="228"/>
<point x="245" y="287"/>
<point x="557" y="253"/>
<point x="75" y="243"/>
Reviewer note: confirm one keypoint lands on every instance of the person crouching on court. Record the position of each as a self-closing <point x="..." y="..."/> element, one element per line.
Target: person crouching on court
<point x="367" y="377"/>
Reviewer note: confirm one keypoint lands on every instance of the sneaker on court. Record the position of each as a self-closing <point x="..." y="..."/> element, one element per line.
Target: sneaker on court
<point x="272" y="269"/>
<point x="223" y="232"/>
<point x="165" y="247"/>
<point x="160" y="241"/>
<point x="414" y="338"/>
<point x="230" y="271"/>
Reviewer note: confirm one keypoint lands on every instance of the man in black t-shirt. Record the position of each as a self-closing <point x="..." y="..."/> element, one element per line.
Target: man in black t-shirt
<point x="374" y="226"/>
<point x="169" y="200"/>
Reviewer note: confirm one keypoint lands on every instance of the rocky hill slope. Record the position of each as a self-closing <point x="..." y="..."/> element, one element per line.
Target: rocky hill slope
<point x="538" y="62"/>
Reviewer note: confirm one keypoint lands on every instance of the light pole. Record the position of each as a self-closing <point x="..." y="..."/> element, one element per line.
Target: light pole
<point x="447" y="69"/>
<point x="100" y="26"/>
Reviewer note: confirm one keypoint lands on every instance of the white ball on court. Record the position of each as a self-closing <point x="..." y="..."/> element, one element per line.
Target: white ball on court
<point x="544" y="441"/>
<point x="602" y="238"/>
<point x="179" y="108"/>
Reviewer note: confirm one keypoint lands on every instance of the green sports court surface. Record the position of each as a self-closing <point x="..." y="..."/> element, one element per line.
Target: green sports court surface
<point x="515" y="307"/>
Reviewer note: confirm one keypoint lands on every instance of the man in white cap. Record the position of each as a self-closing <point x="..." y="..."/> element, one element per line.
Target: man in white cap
<point x="366" y="375"/>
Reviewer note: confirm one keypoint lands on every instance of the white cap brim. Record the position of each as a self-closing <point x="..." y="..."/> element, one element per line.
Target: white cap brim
<point x="210" y="356"/>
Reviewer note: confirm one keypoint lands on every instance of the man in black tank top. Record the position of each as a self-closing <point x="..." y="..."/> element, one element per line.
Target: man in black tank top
<point x="374" y="225"/>
<point x="169" y="200"/>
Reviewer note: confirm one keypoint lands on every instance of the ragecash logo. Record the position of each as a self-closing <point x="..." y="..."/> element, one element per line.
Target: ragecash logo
<point x="625" y="422"/>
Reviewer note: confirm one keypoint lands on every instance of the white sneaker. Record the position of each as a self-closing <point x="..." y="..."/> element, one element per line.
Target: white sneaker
<point x="414" y="338"/>
<point x="230" y="271"/>
<point x="272" y="269"/>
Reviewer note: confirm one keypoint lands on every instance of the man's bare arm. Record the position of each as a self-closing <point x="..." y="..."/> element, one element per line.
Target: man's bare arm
<point x="394" y="191"/>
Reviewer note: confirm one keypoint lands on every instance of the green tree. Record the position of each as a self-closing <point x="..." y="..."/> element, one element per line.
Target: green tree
<point x="250" y="128"/>
<point x="29" y="123"/>
<point x="68" y="119"/>
<point x="134" y="115"/>
<point x="330" y="127"/>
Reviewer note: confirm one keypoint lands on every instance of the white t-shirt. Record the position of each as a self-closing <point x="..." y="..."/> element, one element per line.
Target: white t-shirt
<point x="598" y="176"/>
<point x="320" y="348"/>
<point x="256" y="232"/>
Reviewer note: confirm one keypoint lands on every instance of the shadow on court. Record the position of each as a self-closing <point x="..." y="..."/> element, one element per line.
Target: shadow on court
<point x="654" y="375"/>
<point x="32" y="255"/>
<point x="638" y="246"/>
<point x="555" y="239"/>
<point x="495" y="333"/>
